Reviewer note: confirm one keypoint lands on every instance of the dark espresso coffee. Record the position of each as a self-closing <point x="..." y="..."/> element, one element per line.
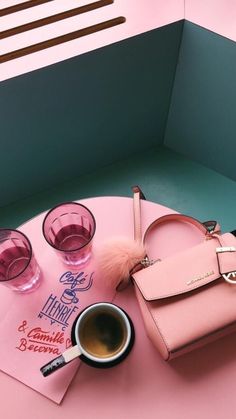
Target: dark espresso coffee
<point x="102" y="336"/>
<point x="102" y="332"/>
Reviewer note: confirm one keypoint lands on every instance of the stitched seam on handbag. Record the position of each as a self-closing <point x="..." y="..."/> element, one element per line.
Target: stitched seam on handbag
<point x="159" y="330"/>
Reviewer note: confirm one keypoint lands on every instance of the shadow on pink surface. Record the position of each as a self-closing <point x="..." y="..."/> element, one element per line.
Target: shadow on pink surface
<point x="207" y="360"/>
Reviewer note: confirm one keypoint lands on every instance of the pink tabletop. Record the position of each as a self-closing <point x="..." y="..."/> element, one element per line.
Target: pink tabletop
<point x="200" y="384"/>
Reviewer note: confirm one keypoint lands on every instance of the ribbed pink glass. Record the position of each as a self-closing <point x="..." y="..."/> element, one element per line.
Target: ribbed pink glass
<point x="69" y="228"/>
<point x="18" y="267"/>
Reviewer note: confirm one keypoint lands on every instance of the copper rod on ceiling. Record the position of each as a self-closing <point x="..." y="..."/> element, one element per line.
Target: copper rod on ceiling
<point x="61" y="39"/>
<point x="22" y="6"/>
<point x="54" y="18"/>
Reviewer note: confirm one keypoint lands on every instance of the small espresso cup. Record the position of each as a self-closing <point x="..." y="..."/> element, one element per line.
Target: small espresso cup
<point x="102" y="336"/>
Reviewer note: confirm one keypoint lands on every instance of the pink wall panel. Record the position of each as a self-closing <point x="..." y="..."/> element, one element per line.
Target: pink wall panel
<point x="141" y="16"/>
<point x="217" y="15"/>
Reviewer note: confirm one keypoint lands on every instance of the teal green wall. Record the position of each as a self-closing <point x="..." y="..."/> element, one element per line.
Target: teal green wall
<point x="202" y="118"/>
<point x="165" y="177"/>
<point x="74" y="117"/>
<point x="81" y="114"/>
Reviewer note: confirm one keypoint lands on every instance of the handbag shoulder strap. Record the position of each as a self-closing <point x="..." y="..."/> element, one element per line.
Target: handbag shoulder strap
<point x="137" y="196"/>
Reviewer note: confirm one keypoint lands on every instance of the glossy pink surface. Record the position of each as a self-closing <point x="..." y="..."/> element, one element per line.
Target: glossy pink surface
<point x="199" y="384"/>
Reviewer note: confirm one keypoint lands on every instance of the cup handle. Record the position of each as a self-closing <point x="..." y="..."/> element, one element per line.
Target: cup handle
<point x="60" y="361"/>
<point x="75" y="300"/>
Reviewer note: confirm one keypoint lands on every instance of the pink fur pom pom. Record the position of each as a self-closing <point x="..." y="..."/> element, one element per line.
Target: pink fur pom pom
<point x="116" y="259"/>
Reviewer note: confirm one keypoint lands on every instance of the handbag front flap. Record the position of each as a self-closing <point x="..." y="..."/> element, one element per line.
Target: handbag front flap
<point x="188" y="270"/>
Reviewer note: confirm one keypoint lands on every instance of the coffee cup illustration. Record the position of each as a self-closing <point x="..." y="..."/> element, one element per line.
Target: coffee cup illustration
<point x="69" y="297"/>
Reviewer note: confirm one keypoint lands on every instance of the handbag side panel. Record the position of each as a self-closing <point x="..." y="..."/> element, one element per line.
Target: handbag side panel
<point x="151" y="326"/>
<point x="185" y="301"/>
<point x="181" y="325"/>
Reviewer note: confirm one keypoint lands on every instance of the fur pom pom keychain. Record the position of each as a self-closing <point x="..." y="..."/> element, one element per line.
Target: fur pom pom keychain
<point x="117" y="258"/>
<point x="119" y="255"/>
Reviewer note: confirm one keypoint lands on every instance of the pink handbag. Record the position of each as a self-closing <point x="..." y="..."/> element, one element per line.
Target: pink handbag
<point x="188" y="299"/>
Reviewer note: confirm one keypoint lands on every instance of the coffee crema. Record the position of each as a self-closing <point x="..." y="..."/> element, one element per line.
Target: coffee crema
<point x="102" y="333"/>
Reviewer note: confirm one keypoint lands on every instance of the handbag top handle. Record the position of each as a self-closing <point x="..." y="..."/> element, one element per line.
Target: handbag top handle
<point x="208" y="228"/>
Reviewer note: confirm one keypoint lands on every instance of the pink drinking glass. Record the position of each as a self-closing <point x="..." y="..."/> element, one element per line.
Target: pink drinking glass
<point x="18" y="267"/>
<point x="69" y="228"/>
